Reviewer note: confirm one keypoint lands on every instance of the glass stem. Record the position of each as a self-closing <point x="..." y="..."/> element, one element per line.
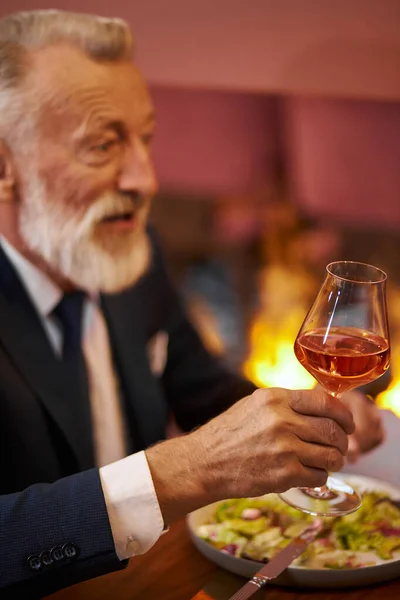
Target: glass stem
<point x="323" y="492"/>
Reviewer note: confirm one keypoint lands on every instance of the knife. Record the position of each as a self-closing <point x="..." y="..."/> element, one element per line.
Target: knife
<point x="275" y="566"/>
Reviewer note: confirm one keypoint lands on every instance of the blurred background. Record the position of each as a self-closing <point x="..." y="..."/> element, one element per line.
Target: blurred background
<point x="277" y="151"/>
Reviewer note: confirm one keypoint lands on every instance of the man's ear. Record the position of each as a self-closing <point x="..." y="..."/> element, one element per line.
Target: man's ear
<point x="7" y="175"/>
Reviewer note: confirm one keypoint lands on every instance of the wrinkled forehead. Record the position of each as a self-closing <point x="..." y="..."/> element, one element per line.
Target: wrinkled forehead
<point x="68" y="87"/>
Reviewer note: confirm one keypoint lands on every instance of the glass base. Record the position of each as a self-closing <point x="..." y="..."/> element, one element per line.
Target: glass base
<point x="339" y="499"/>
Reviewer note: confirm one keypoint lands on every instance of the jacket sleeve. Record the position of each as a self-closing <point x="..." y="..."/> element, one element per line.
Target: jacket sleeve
<point x="54" y="535"/>
<point x="198" y="385"/>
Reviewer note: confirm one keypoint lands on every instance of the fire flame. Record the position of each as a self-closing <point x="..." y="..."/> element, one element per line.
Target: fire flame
<point x="284" y="296"/>
<point x="272" y="362"/>
<point x="390" y="398"/>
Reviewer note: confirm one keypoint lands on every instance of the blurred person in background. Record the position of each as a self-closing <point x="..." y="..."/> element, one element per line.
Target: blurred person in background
<point x="95" y="346"/>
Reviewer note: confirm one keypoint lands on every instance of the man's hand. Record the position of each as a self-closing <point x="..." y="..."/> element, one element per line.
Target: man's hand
<point x="369" y="431"/>
<point x="274" y="440"/>
<point x="270" y="441"/>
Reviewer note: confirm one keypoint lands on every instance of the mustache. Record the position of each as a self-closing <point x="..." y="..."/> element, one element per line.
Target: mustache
<point x="114" y="205"/>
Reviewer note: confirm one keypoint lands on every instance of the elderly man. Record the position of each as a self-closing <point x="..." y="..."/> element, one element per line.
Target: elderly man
<point x="84" y="485"/>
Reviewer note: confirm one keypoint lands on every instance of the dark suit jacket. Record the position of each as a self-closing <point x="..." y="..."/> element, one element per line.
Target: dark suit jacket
<point x="54" y="529"/>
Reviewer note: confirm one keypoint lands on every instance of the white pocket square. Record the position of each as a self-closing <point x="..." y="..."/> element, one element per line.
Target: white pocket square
<point x="157" y="352"/>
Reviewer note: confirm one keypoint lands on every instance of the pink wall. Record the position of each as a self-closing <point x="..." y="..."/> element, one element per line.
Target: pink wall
<point x="344" y="158"/>
<point x="211" y="142"/>
<point x="340" y="47"/>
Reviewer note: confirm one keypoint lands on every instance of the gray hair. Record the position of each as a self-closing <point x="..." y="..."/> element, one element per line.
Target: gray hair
<point x="101" y="39"/>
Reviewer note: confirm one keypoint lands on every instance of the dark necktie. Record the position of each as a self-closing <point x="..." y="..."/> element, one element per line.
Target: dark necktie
<point x="69" y="313"/>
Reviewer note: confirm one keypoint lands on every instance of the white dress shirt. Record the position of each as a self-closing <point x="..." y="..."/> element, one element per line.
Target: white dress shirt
<point x="132" y="505"/>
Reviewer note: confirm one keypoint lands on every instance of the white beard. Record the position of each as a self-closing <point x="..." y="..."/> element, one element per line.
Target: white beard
<point x="66" y="241"/>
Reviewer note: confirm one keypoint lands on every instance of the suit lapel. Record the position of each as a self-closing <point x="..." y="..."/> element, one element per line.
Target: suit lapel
<point x="23" y="336"/>
<point x="146" y="406"/>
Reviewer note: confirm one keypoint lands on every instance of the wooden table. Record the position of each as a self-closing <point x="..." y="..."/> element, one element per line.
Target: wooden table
<point x="175" y="570"/>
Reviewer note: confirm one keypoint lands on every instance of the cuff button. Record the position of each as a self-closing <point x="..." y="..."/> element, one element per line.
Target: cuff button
<point x="70" y="551"/>
<point x="34" y="562"/>
<point x="57" y="554"/>
<point x="46" y="558"/>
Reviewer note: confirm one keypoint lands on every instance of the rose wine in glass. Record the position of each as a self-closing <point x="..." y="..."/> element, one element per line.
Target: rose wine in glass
<point x="343" y="343"/>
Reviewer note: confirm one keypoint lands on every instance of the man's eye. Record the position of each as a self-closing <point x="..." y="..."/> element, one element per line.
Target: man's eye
<point x="105" y="146"/>
<point x="147" y="138"/>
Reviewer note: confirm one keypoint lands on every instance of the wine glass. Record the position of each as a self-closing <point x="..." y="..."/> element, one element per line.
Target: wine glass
<point x="344" y="343"/>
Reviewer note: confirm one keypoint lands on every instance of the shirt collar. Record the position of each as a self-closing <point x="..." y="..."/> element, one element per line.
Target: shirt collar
<point x="44" y="293"/>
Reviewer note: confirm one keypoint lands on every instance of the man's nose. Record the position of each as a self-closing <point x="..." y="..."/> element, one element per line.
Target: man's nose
<point x="137" y="170"/>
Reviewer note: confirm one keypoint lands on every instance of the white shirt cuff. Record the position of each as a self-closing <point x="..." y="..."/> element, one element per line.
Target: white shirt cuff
<point x="133" y="510"/>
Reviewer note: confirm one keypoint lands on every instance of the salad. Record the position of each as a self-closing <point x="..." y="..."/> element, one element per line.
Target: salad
<point x="258" y="528"/>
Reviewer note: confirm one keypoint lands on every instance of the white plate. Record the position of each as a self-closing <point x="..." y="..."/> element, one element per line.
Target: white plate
<point x="302" y="576"/>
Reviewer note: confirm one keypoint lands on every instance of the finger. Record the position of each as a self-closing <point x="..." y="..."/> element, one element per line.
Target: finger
<point x="380" y="435"/>
<point x="310" y="477"/>
<point x="371" y="433"/>
<point x="319" y="404"/>
<point x="320" y="457"/>
<point x="320" y="430"/>
<point x="353" y="451"/>
<point x="368" y="438"/>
